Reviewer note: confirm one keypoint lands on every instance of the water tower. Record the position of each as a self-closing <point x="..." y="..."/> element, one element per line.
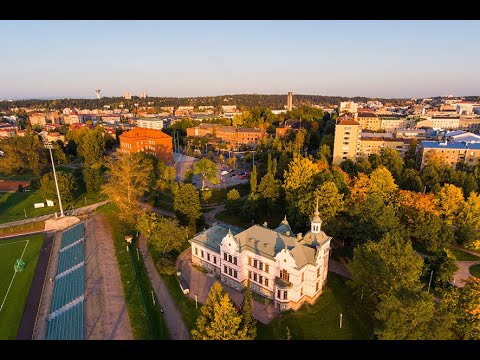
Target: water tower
<point x="97" y="91"/>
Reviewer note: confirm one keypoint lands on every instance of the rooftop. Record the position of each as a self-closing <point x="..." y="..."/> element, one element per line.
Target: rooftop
<point x="450" y="145"/>
<point x="348" y="122"/>
<point x="146" y="133"/>
<point x="212" y="237"/>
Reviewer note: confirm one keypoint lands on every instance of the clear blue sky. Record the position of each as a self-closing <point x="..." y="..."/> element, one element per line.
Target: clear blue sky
<point x="196" y="58"/>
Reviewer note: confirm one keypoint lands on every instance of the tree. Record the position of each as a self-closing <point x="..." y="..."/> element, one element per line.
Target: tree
<point x="412" y="315"/>
<point x="206" y="195"/>
<point x="219" y="319"/>
<point x="330" y="201"/>
<point x="269" y="189"/>
<point x="233" y="200"/>
<point x="66" y="186"/>
<point x="465" y="304"/>
<point x="382" y="183"/>
<point x="324" y="153"/>
<point x="164" y="234"/>
<point x="392" y="160"/>
<point x="93" y="146"/>
<point x="443" y="264"/>
<point x="469" y="221"/>
<point x="410" y="180"/>
<point x="451" y="202"/>
<point x="249" y="324"/>
<point x="207" y="170"/>
<point x="128" y="179"/>
<point x="93" y="179"/>
<point x="186" y="204"/>
<point x="383" y="267"/>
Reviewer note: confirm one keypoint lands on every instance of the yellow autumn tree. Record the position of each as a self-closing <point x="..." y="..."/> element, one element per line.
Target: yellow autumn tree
<point x="451" y="202"/>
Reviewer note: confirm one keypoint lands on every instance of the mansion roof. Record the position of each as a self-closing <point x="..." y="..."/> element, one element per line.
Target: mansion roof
<point x="266" y="242"/>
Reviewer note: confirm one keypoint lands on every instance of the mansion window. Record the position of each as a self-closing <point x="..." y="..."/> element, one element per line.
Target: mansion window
<point x="284" y="275"/>
<point x="235" y="260"/>
<point x="254" y="277"/>
<point x="260" y="279"/>
<point x="225" y="256"/>
<point x="196" y="251"/>
<point x="230" y="258"/>
<point x="260" y="265"/>
<point x="301" y="291"/>
<point x="285" y="294"/>
<point x="249" y="261"/>
<point x="254" y="263"/>
<point x="208" y="256"/>
<point x="214" y="259"/>
<point x="278" y="294"/>
<point x="303" y="277"/>
<point x="202" y="253"/>
<point x="318" y="272"/>
<point x="317" y="287"/>
<point x="266" y="282"/>
<point x="266" y="268"/>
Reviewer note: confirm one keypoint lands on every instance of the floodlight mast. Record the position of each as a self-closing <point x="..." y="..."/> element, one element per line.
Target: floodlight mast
<point x="49" y="146"/>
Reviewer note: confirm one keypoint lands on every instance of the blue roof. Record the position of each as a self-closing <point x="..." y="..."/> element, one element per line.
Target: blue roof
<point x="449" y="145"/>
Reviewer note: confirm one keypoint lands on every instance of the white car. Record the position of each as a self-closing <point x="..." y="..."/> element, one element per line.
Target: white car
<point x="224" y="172"/>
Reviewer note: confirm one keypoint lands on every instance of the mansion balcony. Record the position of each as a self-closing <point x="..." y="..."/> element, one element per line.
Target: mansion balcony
<point x="282" y="284"/>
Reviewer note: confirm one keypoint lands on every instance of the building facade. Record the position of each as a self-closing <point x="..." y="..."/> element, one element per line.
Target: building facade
<point x="151" y="141"/>
<point x="450" y="153"/>
<point x="156" y="124"/>
<point x="346" y="140"/>
<point x="369" y="121"/>
<point x="229" y="134"/>
<point x="289" y="269"/>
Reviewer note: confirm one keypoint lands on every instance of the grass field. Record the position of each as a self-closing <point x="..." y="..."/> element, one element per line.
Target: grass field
<point x="321" y="320"/>
<point x="13" y="294"/>
<point x="475" y="271"/>
<point x="145" y="318"/>
<point x="463" y="256"/>
<point x="24" y="177"/>
<point x="13" y="206"/>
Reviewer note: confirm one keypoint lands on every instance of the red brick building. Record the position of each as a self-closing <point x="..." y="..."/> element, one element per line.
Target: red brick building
<point x="228" y="134"/>
<point x="152" y="141"/>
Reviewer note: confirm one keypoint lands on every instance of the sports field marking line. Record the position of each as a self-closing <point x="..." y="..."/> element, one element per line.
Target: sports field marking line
<point x="13" y="277"/>
<point x="14" y="242"/>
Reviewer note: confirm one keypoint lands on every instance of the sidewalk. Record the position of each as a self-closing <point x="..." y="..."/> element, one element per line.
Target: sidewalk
<point x="176" y="326"/>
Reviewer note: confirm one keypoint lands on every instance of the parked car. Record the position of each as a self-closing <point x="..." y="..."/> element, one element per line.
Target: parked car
<point x="224" y="172"/>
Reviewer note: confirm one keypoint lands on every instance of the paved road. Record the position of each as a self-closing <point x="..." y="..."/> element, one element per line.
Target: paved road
<point x="78" y="211"/>
<point x="175" y="324"/>
<point x="463" y="272"/>
<point x="27" y="323"/>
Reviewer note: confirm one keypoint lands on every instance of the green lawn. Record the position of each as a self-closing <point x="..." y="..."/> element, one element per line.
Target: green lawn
<point x="145" y="318"/>
<point x="320" y="321"/>
<point x="24" y="177"/>
<point x="475" y="271"/>
<point x="15" y="299"/>
<point x="220" y="195"/>
<point x="463" y="256"/>
<point x="273" y="220"/>
<point x="185" y="305"/>
<point x="19" y="229"/>
<point x="419" y="248"/>
<point x="14" y="205"/>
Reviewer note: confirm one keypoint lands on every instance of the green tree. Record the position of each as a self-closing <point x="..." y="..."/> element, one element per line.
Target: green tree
<point x="128" y="179"/>
<point x="186" y="204"/>
<point x="412" y="315"/>
<point x="219" y="319"/>
<point x="382" y="183"/>
<point x="464" y="304"/>
<point x="443" y="265"/>
<point x="207" y="170"/>
<point x="324" y="153"/>
<point x="381" y="268"/>
<point x="392" y="160"/>
<point x="249" y="324"/>
<point x="206" y="195"/>
<point x="233" y="200"/>
<point x="451" y="202"/>
<point x="66" y="186"/>
<point x="469" y="221"/>
<point x="93" y="146"/>
<point x="269" y="189"/>
<point x="164" y="234"/>
<point x="93" y="179"/>
<point x="430" y="231"/>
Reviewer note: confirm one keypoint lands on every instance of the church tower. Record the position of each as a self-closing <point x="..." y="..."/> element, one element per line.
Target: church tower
<point x="316" y="223"/>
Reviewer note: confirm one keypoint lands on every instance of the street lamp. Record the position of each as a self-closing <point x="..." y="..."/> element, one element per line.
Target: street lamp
<point x="49" y="146"/>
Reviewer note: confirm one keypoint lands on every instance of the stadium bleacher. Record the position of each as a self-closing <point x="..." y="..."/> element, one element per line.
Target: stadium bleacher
<point x="67" y="306"/>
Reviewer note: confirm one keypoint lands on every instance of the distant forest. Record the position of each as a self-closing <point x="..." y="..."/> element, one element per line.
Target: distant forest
<point x="242" y="101"/>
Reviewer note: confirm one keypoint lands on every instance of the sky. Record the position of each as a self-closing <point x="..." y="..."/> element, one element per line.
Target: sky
<point x="56" y="59"/>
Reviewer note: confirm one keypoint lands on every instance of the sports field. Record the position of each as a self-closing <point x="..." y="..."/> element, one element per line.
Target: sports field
<point x="14" y="286"/>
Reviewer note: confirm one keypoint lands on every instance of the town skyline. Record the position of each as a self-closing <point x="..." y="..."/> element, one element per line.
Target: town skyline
<point x="378" y="59"/>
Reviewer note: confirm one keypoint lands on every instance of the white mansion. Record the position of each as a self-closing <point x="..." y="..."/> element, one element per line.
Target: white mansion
<point x="283" y="267"/>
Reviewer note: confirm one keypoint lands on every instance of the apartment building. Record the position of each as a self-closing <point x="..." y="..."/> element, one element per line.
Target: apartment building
<point x="151" y="141"/>
<point x="346" y="140"/>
